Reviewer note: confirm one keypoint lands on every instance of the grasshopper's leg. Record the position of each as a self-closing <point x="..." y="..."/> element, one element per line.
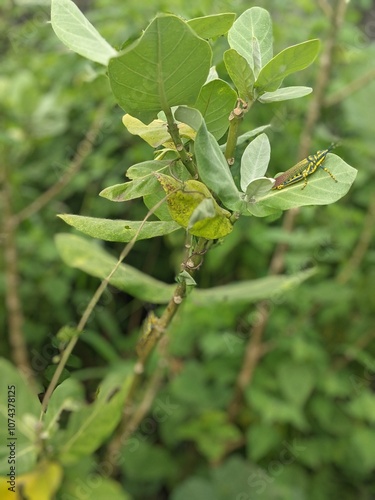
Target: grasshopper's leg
<point x="305" y="175"/>
<point x="330" y="173"/>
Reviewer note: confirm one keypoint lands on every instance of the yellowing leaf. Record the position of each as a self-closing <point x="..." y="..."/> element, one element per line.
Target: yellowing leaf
<point x="39" y="484"/>
<point x="188" y="207"/>
<point x="156" y="133"/>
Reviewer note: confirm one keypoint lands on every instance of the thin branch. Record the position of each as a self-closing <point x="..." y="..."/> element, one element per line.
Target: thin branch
<point x="180" y="148"/>
<point x="12" y="280"/>
<point x="88" y="311"/>
<point x="84" y="149"/>
<point x="350" y="89"/>
<point x="361" y="248"/>
<point x="235" y="119"/>
<point x="156" y="329"/>
<point x="132" y="419"/>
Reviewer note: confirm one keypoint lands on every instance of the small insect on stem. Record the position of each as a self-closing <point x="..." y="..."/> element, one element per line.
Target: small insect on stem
<point x="303" y="169"/>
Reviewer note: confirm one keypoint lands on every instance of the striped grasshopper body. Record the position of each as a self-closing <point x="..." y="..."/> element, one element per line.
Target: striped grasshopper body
<point x="303" y="169"/>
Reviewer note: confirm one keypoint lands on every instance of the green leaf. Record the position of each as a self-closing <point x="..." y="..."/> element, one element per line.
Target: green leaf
<point x="284" y="94"/>
<point x="214" y="170"/>
<point x="195" y="487"/>
<point x="88" y="428"/>
<point x="290" y="60"/>
<point x="104" y="487"/>
<point x="78" y="34"/>
<point x="240" y="73"/>
<point x="23" y="412"/>
<point x="147" y="462"/>
<point x="320" y="189"/>
<point x="248" y="291"/>
<point x="92" y="259"/>
<point x="253" y="23"/>
<point x="119" y="230"/>
<point x="144" y="182"/>
<point x="363" y="406"/>
<point x="261" y="439"/>
<point x="130" y="190"/>
<point x="216" y="100"/>
<point x="251" y="133"/>
<point x="362" y="444"/>
<point x="68" y="396"/>
<point x="190" y="116"/>
<point x="296" y="381"/>
<point x="273" y="409"/>
<point x="166" y="67"/>
<point x="258" y="187"/>
<point x="255" y="160"/>
<point x="146" y="168"/>
<point x="211" y="432"/>
<point x="212" y="26"/>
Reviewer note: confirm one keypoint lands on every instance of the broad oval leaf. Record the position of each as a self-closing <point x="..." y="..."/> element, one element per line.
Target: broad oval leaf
<point x="212" y="26"/>
<point x="253" y="23"/>
<point x="321" y="189"/>
<point x="130" y="190"/>
<point x="255" y="159"/>
<point x="77" y="33"/>
<point x="289" y="60"/>
<point x="166" y="67"/>
<point x="248" y="291"/>
<point x="119" y="230"/>
<point x="89" y="257"/>
<point x="259" y="187"/>
<point x="215" y="102"/>
<point x="214" y="170"/>
<point x="190" y="116"/>
<point x="240" y="73"/>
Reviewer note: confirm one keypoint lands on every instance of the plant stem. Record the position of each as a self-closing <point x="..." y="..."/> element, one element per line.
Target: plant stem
<point x="235" y="119"/>
<point x="156" y="329"/>
<point x="174" y="133"/>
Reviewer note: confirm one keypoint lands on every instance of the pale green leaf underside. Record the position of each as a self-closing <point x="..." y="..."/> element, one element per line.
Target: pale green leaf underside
<point x="248" y="291"/>
<point x="214" y="170"/>
<point x="321" y="189"/>
<point x="166" y="67"/>
<point x="91" y="258"/>
<point x="255" y="159"/>
<point x="285" y="94"/>
<point x="253" y="23"/>
<point x="119" y="230"/>
<point x="77" y="33"/>
<point x="251" y="133"/>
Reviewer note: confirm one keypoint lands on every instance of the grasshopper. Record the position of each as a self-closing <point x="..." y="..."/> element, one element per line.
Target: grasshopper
<point x="303" y="169"/>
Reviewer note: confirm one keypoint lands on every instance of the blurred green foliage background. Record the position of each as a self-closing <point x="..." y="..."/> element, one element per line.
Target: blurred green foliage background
<point x="307" y="427"/>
